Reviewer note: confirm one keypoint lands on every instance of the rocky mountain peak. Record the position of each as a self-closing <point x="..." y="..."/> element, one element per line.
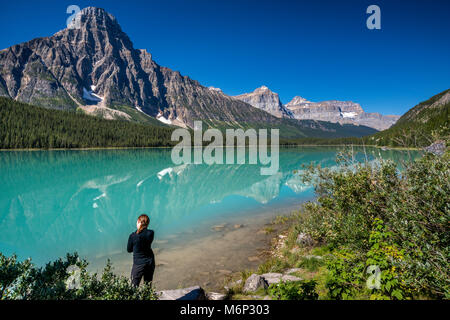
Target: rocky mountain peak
<point x="297" y="100"/>
<point x="96" y="18"/>
<point x="96" y="24"/>
<point x="265" y="99"/>
<point x="338" y="111"/>
<point x="262" y="89"/>
<point x="95" y="68"/>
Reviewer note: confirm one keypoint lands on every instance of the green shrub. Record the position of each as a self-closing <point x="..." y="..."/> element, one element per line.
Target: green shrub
<point x="380" y="215"/>
<point x="23" y="280"/>
<point x="387" y="257"/>
<point x="345" y="275"/>
<point x="294" y="290"/>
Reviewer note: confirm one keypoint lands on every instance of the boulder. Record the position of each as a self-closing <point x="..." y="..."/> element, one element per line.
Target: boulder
<point x="437" y="148"/>
<point x="255" y="282"/>
<point x="192" y="293"/>
<point x="215" y="296"/>
<point x="272" y="277"/>
<point x="287" y="277"/>
<point x="304" y="240"/>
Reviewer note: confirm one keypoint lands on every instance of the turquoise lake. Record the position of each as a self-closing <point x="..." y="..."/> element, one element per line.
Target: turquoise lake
<point x="53" y="202"/>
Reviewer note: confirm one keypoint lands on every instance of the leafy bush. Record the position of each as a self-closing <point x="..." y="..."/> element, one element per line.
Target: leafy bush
<point x="23" y="280"/>
<point x="376" y="214"/>
<point x="294" y="290"/>
<point x="387" y="257"/>
<point x="345" y="275"/>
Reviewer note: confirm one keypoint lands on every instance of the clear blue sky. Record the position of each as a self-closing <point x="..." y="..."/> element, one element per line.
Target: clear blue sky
<point x="318" y="49"/>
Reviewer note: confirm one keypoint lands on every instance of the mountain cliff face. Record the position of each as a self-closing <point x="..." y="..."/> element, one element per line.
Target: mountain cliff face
<point x="97" y="69"/>
<point x="343" y="112"/>
<point x="339" y="112"/>
<point x="263" y="98"/>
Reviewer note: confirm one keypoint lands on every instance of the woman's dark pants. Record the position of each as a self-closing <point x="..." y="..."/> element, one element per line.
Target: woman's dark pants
<point x="142" y="270"/>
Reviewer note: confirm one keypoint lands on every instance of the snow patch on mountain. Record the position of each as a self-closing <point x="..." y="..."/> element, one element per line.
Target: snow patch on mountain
<point x="163" y="119"/>
<point x="348" y="114"/>
<point x="91" y="96"/>
<point x="140" y="110"/>
<point x="215" y="89"/>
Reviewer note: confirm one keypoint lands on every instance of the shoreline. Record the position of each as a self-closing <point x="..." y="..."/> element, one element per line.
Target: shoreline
<point x="277" y="266"/>
<point x="208" y="254"/>
<point x="170" y="147"/>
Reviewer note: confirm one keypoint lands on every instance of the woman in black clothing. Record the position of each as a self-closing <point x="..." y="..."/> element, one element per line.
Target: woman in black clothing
<point x="140" y="243"/>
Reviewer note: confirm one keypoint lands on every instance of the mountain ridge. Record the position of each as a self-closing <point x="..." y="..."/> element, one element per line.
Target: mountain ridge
<point x="335" y="111"/>
<point x="420" y="126"/>
<point x="97" y="69"/>
<point x="265" y="99"/>
<point x="339" y="111"/>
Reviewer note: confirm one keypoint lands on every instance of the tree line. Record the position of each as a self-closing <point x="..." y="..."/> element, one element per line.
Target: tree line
<point x="26" y="126"/>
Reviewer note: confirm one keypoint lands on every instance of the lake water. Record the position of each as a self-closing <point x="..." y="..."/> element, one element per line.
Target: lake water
<point x="205" y="216"/>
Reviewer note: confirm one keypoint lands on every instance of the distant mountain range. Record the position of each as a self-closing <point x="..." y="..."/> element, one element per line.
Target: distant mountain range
<point x="347" y="112"/>
<point x="97" y="70"/>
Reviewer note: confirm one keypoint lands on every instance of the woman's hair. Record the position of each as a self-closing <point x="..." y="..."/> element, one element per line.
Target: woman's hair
<point x="145" y="221"/>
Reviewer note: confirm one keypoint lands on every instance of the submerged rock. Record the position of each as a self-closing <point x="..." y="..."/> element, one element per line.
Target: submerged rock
<point x="219" y="227"/>
<point x="232" y="285"/>
<point x="225" y="271"/>
<point x="192" y="293"/>
<point x="161" y="263"/>
<point x="253" y="258"/>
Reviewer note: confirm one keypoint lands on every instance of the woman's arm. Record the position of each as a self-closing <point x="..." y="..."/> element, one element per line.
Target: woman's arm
<point x="130" y="243"/>
<point x="152" y="236"/>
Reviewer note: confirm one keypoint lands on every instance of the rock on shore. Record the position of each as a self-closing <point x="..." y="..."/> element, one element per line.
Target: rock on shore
<point x="191" y="293"/>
